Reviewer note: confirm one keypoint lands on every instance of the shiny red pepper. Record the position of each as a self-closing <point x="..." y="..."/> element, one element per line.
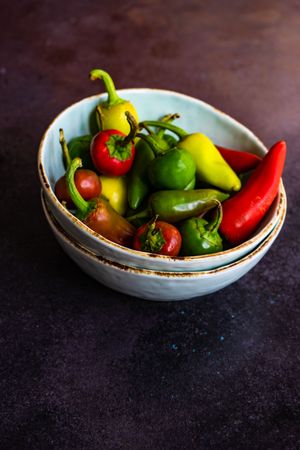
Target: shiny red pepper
<point x="239" y="161"/>
<point x="243" y="212"/>
<point x="112" y="151"/>
<point x="87" y="181"/>
<point x="158" y="237"/>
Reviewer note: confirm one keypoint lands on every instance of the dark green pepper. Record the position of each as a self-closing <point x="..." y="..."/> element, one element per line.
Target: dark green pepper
<point x="79" y="147"/>
<point x="200" y="237"/>
<point x="171" y="169"/>
<point x="138" y="183"/>
<point x="176" y="205"/>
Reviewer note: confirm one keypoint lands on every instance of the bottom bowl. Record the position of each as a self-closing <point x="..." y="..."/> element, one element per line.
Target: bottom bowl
<point x="157" y="285"/>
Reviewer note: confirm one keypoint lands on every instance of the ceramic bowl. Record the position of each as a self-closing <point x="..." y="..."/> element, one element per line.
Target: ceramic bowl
<point x="150" y="104"/>
<point x="158" y="285"/>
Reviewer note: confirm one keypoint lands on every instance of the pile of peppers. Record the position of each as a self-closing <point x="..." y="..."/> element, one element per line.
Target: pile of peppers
<point x="154" y="187"/>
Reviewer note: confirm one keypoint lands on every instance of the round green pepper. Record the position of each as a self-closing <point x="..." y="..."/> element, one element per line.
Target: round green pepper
<point x="200" y="237"/>
<point x="171" y="169"/>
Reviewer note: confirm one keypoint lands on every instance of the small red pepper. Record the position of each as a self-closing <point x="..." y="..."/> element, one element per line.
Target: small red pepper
<point x="239" y="161"/>
<point x="112" y="151"/>
<point x="87" y="181"/>
<point x="243" y="212"/>
<point x="158" y="237"/>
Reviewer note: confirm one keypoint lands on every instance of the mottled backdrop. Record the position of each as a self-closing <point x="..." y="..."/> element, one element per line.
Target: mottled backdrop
<point x="83" y="367"/>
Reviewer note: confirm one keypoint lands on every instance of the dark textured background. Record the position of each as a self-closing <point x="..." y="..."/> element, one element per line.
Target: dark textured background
<point x="83" y="367"/>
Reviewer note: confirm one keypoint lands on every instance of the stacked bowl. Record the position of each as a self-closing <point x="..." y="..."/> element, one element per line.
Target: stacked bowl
<point x="146" y="275"/>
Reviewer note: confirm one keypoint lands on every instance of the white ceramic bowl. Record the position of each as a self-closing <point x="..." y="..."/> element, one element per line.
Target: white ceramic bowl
<point x="151" y="104"/>
<point x="158" y="285"/>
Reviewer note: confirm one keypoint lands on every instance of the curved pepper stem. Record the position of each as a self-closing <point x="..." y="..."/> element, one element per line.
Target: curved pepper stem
<point x="166" y="126"/>
<point x="168" y="118"/>
<point x="64" y="148"/>
<point x="82" y="205"/>
<point x="99" y="74"/>
<point x="133" y="129"/>
<point x="214" y="224"/>
<point x="154" y="145"/>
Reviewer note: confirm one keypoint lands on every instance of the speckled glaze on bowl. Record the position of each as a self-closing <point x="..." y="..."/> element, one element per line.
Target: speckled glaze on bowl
<point x="152" y="104"/>
<point x="158" y="285"/>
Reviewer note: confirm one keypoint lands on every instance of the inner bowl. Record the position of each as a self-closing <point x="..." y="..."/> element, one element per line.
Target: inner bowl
<point x="152" y="104"/>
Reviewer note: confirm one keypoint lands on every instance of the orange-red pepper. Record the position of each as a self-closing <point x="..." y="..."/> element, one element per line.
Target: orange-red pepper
<point x="243" y="212"/>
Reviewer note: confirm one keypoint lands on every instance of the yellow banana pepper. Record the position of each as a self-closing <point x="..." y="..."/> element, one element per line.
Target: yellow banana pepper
<point x="115" y="190"/>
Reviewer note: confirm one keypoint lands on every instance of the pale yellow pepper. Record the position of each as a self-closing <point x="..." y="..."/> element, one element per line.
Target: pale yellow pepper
<point x="115" y="190"/>
<point x="111" y="113"/>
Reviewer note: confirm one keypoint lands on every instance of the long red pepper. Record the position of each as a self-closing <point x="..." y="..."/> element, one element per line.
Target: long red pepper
<point x="239" y="161"/>
<point x="243" y="212"/>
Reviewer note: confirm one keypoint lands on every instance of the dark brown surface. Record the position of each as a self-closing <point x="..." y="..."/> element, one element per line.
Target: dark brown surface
<point x="82" y="366"/>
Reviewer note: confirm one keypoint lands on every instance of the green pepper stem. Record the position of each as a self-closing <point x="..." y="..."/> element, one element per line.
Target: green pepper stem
<point x="149" y="131"/>
<point x="166" y="126"/>
<point x="133" y="129"/>
<point x="168" y="118"/>
<point x="154" y="145"/>
<point x="216" y="222"/>
<point x="82" y="205"/>
<point x="64" y="147"/>
<point x="144" y="214"/>
<point x="113" y="98"/>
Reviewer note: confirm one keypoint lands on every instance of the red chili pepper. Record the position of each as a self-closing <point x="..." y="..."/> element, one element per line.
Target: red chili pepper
<point x="112" y="151"/>
<point x="158" y="237"/>
<point x="243" y="212"/>
<point x="239" y="161"/>
<point x="87" y="181"/>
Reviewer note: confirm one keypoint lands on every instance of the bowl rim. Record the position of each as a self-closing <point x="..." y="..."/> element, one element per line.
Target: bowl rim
<point x="159" y="273"/>
<point x="52" y="197"/>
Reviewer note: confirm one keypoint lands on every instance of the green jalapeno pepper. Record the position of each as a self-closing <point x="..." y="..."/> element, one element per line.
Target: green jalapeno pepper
<point x="138" y="183"/>
<point x="111" y="113"/>
<point x="211" y="166"/>
<point x="80" y="147"/>
<point x="200" y="237"/>
<point x="171" y="169"/>
<point x="175" y="205"/>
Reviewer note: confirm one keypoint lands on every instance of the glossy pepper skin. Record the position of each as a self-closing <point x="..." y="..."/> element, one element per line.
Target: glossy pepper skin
<point x="158" y="237"/>
<point x="243" y="212"/>
<point x="200" y="237"/>
<point x="171" y="169"/>
<point x="138" y="183"/>
<point x="97" y="213"/>
<point x="87" y="181"/>
<point x="175" y="205"/>
<point x="115" y="190"/>
<point x="111" y="113"/>
<point x="79" y="147"/>
<point x="112" y="151"/>
<point x="240" y="162"/>
<point x="211" y="167"/>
